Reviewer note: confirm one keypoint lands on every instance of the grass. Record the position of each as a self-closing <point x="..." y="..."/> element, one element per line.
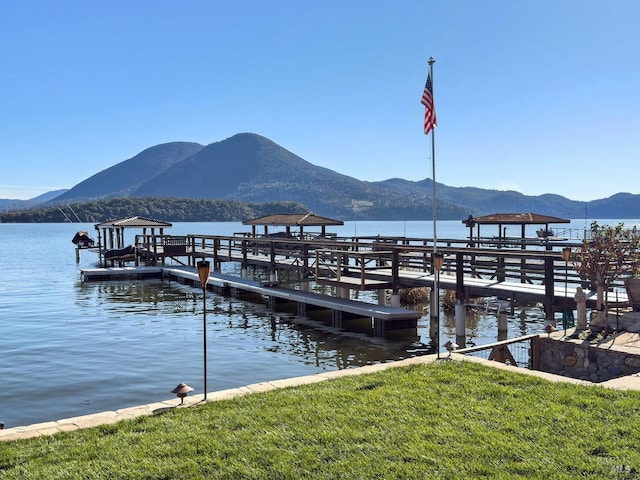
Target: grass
<point x="442" y="420"/>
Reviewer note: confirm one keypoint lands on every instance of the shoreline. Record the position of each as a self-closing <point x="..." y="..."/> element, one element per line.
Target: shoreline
<point x="630" y="382"/>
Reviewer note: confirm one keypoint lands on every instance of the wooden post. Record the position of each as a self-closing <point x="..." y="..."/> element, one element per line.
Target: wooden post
<point x="549" y="290"/>
<point x="395" y="278"/>
<point x="216" y="260"/>
<point x="460" y="314"/>
<point x="461" y="294"/>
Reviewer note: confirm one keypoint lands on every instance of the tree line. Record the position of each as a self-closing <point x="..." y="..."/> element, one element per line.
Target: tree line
<point x="159" y="208"/>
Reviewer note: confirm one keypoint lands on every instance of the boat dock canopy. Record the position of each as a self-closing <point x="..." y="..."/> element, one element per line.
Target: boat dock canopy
<point x="522" y="219"/>
<point x="133" y="222"/>
<point x="111" y="233"/>
<point x="289" y="220"/>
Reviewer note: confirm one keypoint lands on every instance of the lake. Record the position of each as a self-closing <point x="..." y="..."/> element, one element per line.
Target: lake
<point x="70" y="348"/>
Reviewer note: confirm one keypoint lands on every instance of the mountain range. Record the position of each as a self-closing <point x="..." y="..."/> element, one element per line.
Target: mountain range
<point x="251" y="168"/>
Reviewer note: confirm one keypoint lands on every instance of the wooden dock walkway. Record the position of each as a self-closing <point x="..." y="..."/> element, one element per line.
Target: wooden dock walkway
<point x="119" y="273"/>
<point x="384" y="318"/>
<point x="522" y="272"/>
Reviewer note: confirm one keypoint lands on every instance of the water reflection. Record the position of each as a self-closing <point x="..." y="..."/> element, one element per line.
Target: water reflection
<point x="151" y="297"/>
<point x="242" y="326"/>
<point x="249" y="314"/>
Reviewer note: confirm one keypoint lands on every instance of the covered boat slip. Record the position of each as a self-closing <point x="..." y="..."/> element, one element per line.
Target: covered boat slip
<point x="522" y="220"/>
<point x="294" y="225"/>
<point x="153" y="245"/>
<point x="112" y="247"/>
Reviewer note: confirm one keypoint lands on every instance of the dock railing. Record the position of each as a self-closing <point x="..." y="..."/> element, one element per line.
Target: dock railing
<point x="402" y="262"/>
<point x="518" y="352"/>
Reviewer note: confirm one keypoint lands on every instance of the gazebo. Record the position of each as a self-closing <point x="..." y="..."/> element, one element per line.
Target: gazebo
<point x="504" y="219"/>
<point x="111" y="233"/>
<point x="292" y="220"/>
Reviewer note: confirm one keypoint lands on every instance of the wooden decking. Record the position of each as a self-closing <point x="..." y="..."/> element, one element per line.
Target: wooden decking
<point x="518" y="292"/>
<point x="533" y="272"/>
<point x="119" y="273"/>
<point x="383" y="317"/>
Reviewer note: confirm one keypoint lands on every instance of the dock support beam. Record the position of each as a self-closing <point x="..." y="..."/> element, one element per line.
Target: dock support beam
<point x="461" y="313"/>
<point x="336" y="318"/>
<point x="461" y="293"/>
<point x="434" y="306"/>
<point x="395" y="300"/>
<point x="342" y="292"/>
<point x="549" y="288"/>
<point x="378" y="327"/>
<point x="502" y="326"/>
<point x="382" y="297"/>
<point x="395" y="279"/>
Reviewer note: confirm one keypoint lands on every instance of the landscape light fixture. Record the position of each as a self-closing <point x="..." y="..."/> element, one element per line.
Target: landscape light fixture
<point x="438" y="259"/>
<point x="204" y="269"/>
<point x="181" y="391"/>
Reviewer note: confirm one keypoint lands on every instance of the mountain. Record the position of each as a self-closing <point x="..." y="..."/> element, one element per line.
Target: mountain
<point x="48" y="196"/>
<point x="483" y="201"/>
<point x="121" y="179"/>
<point x="620" y="205"/>
<point x="8" y="204"/>
<point x="250" y="168"/>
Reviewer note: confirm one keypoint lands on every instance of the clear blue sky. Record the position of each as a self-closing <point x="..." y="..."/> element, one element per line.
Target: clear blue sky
<point x="538" y="97"/>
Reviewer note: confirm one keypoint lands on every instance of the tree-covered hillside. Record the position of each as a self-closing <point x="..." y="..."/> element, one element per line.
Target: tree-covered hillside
<point x="167" y="209"/>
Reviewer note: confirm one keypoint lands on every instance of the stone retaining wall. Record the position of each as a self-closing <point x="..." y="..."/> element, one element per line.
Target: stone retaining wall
<point x="583" y="361"/>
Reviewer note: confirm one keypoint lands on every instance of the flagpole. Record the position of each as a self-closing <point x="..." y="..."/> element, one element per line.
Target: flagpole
<point x="433" y="167"/>
<point x="436" y="273"/>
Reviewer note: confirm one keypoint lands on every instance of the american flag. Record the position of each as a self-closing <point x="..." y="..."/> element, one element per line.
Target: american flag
<point x="429" y="107"/>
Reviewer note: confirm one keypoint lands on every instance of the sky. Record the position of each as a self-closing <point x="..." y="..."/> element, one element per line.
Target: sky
<point x="538" y="97"/>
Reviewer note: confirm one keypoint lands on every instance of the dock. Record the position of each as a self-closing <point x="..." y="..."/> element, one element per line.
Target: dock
<point x="512" y="270"/>
<point x="384" y="318"/>
<point x="120" y="273"/>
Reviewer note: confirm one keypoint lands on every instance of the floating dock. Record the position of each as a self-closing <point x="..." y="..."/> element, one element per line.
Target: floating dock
<point x="384" y="318"/>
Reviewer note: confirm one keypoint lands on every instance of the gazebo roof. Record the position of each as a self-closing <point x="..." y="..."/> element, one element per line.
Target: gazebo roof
<point x="293" y="219"/>
<point x="133" y="222"/>
<point x="513" y="219"/>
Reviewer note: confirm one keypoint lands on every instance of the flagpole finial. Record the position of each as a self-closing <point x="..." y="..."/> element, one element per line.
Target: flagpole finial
<point x="431" y="61"/>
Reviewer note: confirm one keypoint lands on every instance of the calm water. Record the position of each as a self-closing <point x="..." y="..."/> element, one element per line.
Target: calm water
<point x="70" y="348"/>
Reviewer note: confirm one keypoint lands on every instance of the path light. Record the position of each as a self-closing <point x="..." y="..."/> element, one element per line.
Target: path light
<point x="438" y="259"/>
<point x="566" y="253"/>
<point x="204" y="269"/>
<point x="181" y="391"/>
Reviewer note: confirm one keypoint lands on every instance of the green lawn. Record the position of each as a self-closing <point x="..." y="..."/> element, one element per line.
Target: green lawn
<point x="449" y="419"/>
